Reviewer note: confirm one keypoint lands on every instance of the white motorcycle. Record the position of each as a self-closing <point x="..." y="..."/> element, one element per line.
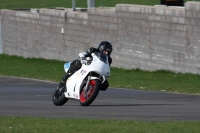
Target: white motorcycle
<point x="85" y="84"/>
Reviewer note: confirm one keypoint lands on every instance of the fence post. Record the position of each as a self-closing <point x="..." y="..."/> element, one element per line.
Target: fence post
<point x="74" y="5"/>
<point x="91" y="3"/>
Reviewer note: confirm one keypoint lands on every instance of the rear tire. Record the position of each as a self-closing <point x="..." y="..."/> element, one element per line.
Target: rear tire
<point x="86" y="98"/>
<point x="59" y="98"/>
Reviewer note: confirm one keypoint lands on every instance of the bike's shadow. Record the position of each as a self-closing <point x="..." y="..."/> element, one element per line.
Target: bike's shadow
<point x="124" y="105"/>
<point x="132" y="105"/>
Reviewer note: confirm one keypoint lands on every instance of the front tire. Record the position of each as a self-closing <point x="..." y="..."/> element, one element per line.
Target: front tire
<point x="59" y="98"/>
<point x="86" y="98"/>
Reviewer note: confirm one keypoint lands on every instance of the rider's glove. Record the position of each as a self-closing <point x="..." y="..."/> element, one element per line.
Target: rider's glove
<point x="82" y="58"/>
<point x="82" y="55"/>
<point x="83" y="61"/>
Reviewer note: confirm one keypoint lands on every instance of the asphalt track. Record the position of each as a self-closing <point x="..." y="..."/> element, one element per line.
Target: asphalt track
<point x="26" y="97"/>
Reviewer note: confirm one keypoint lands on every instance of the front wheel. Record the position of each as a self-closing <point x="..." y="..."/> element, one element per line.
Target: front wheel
<point x="87" y="97"/>
<point x="59" y="98"/>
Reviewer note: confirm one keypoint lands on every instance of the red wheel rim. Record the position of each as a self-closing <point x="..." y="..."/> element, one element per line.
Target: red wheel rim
<point x="83" y="96"/>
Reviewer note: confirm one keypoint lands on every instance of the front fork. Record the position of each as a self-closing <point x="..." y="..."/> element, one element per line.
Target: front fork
<point x="86" y="87"/>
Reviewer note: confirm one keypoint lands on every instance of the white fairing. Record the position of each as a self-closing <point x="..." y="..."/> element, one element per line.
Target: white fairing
<point x="74" y="82"/>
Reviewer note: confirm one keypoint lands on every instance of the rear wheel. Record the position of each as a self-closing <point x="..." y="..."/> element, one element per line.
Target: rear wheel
<point x="59" y="98"/>
<point x="87" y="97"/>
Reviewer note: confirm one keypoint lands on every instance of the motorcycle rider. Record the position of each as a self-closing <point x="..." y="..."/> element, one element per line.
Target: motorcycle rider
<point x="104" y="47"/>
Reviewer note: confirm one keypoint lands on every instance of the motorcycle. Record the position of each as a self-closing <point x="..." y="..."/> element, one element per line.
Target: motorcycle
<point x="85" y="84"/>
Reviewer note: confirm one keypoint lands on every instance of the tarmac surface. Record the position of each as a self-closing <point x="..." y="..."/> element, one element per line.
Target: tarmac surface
<point x="28" y="97"/>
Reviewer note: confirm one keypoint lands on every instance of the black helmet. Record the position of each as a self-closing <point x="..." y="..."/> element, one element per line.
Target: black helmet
<point x="104" y="45"/>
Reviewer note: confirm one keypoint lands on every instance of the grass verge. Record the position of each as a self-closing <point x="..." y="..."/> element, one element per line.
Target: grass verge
<point x="45" y="125"/>
<point x="52" y="70"/>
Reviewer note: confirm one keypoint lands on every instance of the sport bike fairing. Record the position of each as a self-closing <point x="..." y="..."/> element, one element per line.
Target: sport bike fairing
<point x="74" y="82"/>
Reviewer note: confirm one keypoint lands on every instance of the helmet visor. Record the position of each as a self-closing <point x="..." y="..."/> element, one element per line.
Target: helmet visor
<point x="109" y="51"/>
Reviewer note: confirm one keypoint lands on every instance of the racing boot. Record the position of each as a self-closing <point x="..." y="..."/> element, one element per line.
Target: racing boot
<point x="63" y="81"/>
<point x="62" y="86"/>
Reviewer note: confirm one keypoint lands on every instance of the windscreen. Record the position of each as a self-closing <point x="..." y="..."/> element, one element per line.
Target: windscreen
<point x="102" y="57"/>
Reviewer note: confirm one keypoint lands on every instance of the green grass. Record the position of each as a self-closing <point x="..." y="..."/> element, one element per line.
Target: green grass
<point x="52" y="70"/>
<point x="16" y="4"/>
<point x="44" y="125"/>
<point x="158" y="81"/>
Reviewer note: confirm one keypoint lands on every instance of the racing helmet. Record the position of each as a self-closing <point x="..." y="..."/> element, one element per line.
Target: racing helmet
<point x="104" y="45"/>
